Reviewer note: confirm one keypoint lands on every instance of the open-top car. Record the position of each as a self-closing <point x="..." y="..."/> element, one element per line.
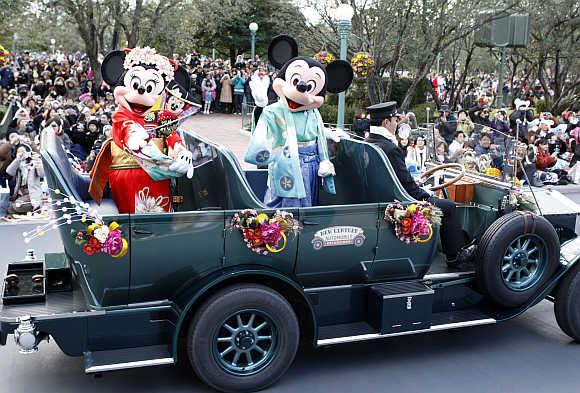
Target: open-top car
<point x="190" y="283"/>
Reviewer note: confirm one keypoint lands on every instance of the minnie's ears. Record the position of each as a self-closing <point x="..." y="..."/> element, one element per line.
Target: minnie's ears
<point x="112" y="67"/>
<point x="281" y="49"/>
<point x="182" y="78"/>
<point x="339" y="76"/>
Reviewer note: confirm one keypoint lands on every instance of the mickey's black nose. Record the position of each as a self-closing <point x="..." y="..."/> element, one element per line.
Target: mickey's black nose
<point x="302" y="87"/>
<point x="141" y="90"/>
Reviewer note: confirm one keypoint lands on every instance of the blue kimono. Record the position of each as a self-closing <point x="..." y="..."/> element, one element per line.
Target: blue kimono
<point x="292" y="171"/>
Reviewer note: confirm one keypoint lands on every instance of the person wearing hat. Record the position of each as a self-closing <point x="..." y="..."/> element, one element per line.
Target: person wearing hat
<point x="384" y="122"/>
<point x="522" y="116"/>
<point x="446" y="124"/>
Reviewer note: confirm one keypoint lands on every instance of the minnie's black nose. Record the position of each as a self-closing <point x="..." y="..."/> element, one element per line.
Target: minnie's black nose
<point x="302" y="87"/>
<point x="141" y="90"/>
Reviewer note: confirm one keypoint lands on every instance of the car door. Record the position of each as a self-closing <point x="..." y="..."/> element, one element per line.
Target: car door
<point x="170" y="250"/>
<point x="397" y="260"/>
<point x="336" y="244"/>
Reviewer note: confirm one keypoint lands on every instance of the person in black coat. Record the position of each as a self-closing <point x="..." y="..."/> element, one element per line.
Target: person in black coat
<point x="382" y="133"/>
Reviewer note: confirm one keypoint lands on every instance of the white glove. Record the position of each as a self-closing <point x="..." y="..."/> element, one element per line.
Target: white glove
<point x="138" y="137"/>
<point x="336" y="134"/>
<point x="183" y="163"/>
<point x="326" y="168"/>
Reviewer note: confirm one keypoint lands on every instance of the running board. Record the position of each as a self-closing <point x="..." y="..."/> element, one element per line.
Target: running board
<point x="121" y="359"/>
<point x="374" y="336"/>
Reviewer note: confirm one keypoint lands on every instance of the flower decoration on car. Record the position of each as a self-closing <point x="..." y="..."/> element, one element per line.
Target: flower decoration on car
<point x="324" y="57"/>
<point x="103" y="238"/>
<point x="98" y="237"/>
<point x="413" y="223"/>
<point x="262" y="233"/>
<point x="362" y="63"/>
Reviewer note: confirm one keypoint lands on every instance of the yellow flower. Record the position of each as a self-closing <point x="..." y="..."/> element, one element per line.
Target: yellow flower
<point x="262" y="218"/>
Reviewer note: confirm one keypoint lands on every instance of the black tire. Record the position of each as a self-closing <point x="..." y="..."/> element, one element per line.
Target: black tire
<point x="567" y="303"/>
<point x="494" y="245"/>
<point x="212" y="316"/>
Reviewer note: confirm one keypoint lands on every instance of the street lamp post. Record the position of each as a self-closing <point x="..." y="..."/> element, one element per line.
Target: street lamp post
<point x="52" y="43"/>
<point x="499" y="96"/>
<point x="253" y="29"/>
<point x="343" y="15"/>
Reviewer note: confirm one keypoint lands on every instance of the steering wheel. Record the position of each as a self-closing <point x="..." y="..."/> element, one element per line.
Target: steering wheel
<point x="429" y="174"/>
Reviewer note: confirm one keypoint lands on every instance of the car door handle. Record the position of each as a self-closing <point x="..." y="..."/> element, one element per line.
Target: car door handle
<point x="304" y="222"/>
<point x="142" y="232"/>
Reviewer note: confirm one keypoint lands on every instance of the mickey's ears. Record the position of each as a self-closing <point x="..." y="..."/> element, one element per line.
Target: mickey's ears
<point x="281" y="49"/>
<point x="112" y="67"/>
<point x="339" y="76"/>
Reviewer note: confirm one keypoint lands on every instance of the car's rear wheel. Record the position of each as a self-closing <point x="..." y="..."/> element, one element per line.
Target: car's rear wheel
<point x="517" y="255"/>
<point x="243" y="338"/>
<point x="567" y="303"/>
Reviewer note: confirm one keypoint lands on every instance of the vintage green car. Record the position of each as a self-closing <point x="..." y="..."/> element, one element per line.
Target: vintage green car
<point x="189" y="286"/>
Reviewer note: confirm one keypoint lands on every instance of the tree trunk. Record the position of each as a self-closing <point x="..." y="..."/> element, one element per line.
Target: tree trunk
<point x="421" y="74"/>
<point x="116" y="27"/>
<point x="133" y="34"/>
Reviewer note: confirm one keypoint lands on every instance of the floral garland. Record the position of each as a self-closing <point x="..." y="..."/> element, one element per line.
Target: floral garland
<point x="263" y="234"/>
<point x="102" y="238"/>
<point x="361" y="63"/>
<point x="324" y="57"/>
<point x="149" y="56"/>
<point x="414" y="223"/>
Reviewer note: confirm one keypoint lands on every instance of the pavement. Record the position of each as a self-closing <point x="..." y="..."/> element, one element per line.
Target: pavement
<point x="527" y="354"/>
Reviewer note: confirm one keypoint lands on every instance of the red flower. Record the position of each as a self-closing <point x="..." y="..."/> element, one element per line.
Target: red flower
<point x="93" y="246"/>
<point x="406" y="224"/>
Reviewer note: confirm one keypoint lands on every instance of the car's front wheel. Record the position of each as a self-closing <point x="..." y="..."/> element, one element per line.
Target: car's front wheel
<point x="517" y="255"/>
<point x="243" y="338"/>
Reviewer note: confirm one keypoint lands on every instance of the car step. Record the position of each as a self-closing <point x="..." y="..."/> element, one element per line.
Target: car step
<point x="120" y="359"/>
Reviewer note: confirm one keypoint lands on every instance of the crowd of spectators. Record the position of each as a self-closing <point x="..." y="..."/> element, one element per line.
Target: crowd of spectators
<point x="542" y="148"/>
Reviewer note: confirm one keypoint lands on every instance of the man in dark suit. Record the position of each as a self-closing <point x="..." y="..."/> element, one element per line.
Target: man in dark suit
<point x="384" y="122"/>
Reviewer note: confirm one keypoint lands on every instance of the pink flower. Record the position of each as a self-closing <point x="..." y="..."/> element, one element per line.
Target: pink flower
<point x="271" y="233"/>
<point x="114" y="243"/>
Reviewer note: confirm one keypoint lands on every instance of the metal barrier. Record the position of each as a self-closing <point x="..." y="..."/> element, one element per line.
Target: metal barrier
<point x="247" y="112"/>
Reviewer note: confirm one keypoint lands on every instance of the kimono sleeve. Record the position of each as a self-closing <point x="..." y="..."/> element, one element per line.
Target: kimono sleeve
<point x="261" y="149"/>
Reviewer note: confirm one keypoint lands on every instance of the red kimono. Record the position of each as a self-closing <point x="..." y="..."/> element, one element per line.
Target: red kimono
<point x="132" y="189"/>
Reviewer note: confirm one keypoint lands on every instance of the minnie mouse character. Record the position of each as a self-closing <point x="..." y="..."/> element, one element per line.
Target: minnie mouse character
<point x="290" y="137"/>
<point x="138" y="163"/>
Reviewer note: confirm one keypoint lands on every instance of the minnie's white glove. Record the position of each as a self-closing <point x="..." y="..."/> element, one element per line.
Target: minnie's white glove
<point x="137" y="138"/>
<point x="183" y="163"/>
<point x="326" y="168"/>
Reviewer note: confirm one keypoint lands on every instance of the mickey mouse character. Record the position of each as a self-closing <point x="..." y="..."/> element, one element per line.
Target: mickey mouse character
<point x="290" y="137"/>
<point x="138" y="163"/>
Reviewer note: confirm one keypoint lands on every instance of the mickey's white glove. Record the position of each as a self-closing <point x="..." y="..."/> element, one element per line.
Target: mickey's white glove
<point x="326" y="168"/>
<point x="183" y="163"/>
<point x="336" y="134"/>
<point x="137" y="138"/>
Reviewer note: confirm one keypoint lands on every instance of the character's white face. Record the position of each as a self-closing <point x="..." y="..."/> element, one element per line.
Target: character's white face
<point x="300" y="86"/>
<point x="174" y="105"/>
<point x="140" y="90"/>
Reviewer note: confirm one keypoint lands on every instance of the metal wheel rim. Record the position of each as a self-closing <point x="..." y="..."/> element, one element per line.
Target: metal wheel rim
<point x="246" y="342"/>
<point x="524" y="262"/>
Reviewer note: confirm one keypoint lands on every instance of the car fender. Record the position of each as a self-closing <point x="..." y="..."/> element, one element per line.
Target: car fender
<point x="202" y="288"/>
